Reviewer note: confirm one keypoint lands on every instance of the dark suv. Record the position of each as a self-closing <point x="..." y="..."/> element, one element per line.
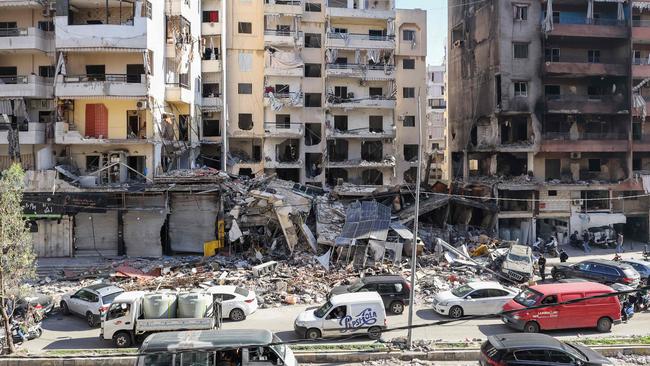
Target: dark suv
<point x="598" y="270"/>
<point x="394" y="290"/>
<point x="525" y="349"/>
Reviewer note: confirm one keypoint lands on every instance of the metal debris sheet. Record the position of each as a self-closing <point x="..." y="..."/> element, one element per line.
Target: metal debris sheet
<point x="365" y="220"/>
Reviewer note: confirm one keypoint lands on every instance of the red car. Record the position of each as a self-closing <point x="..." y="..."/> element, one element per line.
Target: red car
<point x="598" y="313"/>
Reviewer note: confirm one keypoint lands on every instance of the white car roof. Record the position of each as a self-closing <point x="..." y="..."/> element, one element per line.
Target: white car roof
<point x="520" y="250"/>
<point x="355" y="297"/>
<point x="108" y="289"/>
<point x="479" y="285"/>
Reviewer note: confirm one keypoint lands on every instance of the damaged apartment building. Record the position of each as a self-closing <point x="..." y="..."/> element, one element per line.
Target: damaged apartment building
<point x="547" y="108"/>
<point x="320" y="91"/>
<point x="436" y="130"/>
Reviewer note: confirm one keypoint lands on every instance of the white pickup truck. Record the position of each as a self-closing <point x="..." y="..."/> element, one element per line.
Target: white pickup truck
<point x="124" y="322"/>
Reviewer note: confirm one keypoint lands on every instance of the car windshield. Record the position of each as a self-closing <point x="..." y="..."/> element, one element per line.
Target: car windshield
<point x="107" y="299"/>
<point x="355" y="286"/>
<point x="321" y="311"/>
<point x="280" y="349"/>
<point x="241" y="291"/>
<point x="462" y="290"/>
<point x="528" y="297"/>
<point x="575" y="351"/>
<point x="518" y="258"/>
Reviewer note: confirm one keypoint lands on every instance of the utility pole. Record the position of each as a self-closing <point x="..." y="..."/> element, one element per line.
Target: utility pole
<point x="224" y="67"/>
<point x="414" y="244"/>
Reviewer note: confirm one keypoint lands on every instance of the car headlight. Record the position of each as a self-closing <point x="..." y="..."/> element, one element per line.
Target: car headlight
<point x="443" y="303"/>
<point x="516" y="317"/>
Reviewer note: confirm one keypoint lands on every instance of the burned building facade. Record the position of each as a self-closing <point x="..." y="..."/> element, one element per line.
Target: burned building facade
<point x="546" y="106"/>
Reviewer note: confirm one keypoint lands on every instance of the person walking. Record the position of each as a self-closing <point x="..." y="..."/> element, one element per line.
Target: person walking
<point x="585" y="242"/>
<point x="619" y="244"/>
<point x="541" y="262"/>
<point x="563" y="256"/>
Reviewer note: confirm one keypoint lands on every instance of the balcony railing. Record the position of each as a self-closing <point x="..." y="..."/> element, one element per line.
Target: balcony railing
<point x="289" y="127"/>
<point x="360" y="36"/>
<point x="641" y="61"/>
<point x="280" y="33"/>
<point x="13" y="32"/>
<point x="113" y="78"/>
<point x="609" y="22"/>
<point x="18" y="79"/>
<point x="580" y="98"/>
<point x="641" y="23"/>
<point x="586" y="136"/>
<point x="284" y="2"/>
<point x="359" y="66"/>
<point x="585" y="59"/>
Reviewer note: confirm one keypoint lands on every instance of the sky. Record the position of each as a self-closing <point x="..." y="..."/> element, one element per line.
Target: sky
<point x="436" y="24"/>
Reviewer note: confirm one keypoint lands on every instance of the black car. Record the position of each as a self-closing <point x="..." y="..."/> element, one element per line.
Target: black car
<point x="394" y="290"/>
<point x="525" y="349"/>
<point x="598" y="270"/>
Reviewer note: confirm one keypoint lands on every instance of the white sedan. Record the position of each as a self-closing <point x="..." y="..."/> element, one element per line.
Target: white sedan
<point x="473" y="298"/>
<point x="236" y="303"/>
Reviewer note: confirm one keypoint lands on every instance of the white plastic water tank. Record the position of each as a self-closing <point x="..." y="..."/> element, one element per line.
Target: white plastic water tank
<point x="193" y="304"/>
<point x="159" y="305"/>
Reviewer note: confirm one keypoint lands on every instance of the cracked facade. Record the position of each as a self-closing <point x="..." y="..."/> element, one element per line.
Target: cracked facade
<point x="546" y="114"/>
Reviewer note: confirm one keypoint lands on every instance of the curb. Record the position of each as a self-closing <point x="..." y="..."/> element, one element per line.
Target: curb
<point x="458" y="354"/>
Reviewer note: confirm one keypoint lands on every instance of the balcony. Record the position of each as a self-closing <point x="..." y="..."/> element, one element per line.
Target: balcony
<point x="75" y="37"/>
<point x="274" y="129"/>
<point x="367" y="72"/>
<point x="65" y="133"/>
<point x="593" y="104"/>
<point x="211" y="66"/>
<point x="177" y="86"/>
<point x="290" y="99"/>
<point x="361" y="164"/>
<point x="641" y="31"/>
<point x="641" y="68"/>
<point x="289" y="72"/>
<point x="30" y="39"/>
<point x="364" y="134"/>
<point x="282" y="38"/>
<point x="30" y="86"/>
<point x="366" y="102"/>
<point x="581" y="66"/>
<point x="102" y="85"/>
<point x="274" y="164"/>
<point x="585" y="145"/>
<point x="214" y="103"/>
<point x="178" y="7"/>
<point x="356" y="14"/>
<point x="590" y="28"/>
<point x="359" y="41"/>
<point x="34" y="134"/>
<point x="284" y="7"/>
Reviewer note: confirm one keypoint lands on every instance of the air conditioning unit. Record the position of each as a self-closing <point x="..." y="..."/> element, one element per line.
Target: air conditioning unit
<point x="575" y="155"/>
<point x="458" y="44"/>
<point x="577" y="202"/>
<point x="141" y="104"/>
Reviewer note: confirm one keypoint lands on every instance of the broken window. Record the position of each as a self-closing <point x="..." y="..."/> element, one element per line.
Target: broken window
<point x="341" y="123"/>
<point x="46" y="71"/>
<point x="341" y="92"/>
<point x="211" y="127"/>
<point x="312" y="99"/>
<point x="408" y="35"/>
<point x="636" y="164"/>
<point x="497" y="88"/>
<point x="312" y="70"/>
<point x="375" y="124"/>
<point x="138" y="167"/>
<point x="210" y="90"/>
<point x="409" y="121"/>
<point x="337" y="150"/>
<point x="408" y="64"/>
<point x="636" y="131"/>
<point x="512" y="164"/>
<point x="336" y="176"/>
<point x="292" y="175"/>
<point x="594" y="200"/>
<point x="552" y="167"/>
<point x="92" y="163"/>
<point x="520" y="50"/>
<point x="96" y="72"/>
<point x="245" y="121"/>
<point x="594" y="165"/>
<point x="552" y="55"/>
<point x="372" y="177"/>
<point x="282" y="121"/>
<point x="520" y="12"/>
<point x="593" y="56"/>
<point x="408" y="92"/>
<point x="411" y="152"/>
<point x="375" y="92"/>
<point x="551" y="91"/>
<point x="245" y="88"/>
<point x="521" y="88"/>
<point x="312" y="40"/>
<point x="184" y="127"/>
<point x="313" y="7"/>
<point x="410" y="175"/>
<point x="246" y="172"/>
<point x="514" y="129"/>
<point x="552" y="193"/>
<point x="287" y="151"/>
<point x="245" y="28"/>
<point x="372" y="150"/>
<point x="312" y="134"/>
<point x="313" y="164"/>
<point x="135" y="125"/>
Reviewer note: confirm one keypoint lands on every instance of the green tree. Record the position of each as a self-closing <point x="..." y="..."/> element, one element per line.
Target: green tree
<point x="17" y="263"/>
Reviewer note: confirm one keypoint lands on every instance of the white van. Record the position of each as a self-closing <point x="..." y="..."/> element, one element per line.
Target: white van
<point x="353" y="313"/>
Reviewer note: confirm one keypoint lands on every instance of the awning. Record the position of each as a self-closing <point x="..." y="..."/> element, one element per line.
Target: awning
<point x="101" y="49"/>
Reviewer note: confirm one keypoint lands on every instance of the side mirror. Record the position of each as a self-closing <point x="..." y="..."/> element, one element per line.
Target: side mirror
<point x="123" y="306"/>
<point x="468" y="297"/>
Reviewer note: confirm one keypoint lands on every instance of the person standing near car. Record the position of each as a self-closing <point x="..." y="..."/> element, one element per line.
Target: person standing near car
<point x="619" y="243"/>
<point x="541" y="262"/>
<point x="585" y="242"/>
<point x="563" y="256"/>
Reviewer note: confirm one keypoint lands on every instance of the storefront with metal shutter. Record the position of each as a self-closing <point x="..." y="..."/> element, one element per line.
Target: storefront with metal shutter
<point x="192" y="221"/>
<point x="52" y="237"/>
<point x="144" y="217"/>
<point x="95" y="234"/>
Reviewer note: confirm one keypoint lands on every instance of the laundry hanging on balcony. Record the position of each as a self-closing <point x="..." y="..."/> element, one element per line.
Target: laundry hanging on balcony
<point x="639" y="104"/>
<point x="331" y="54"/>
<point x="641" y="5"/>
<point x="547" y="23"/>
<point x="283" y="59"/>
<point x="390" y="26"/>
<point x="620" y="13"/>
<point x="590" y="10"/>
<point x="373" y="56"/>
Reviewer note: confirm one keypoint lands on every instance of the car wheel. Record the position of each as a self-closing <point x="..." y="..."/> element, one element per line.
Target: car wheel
<point x="39" y="333"/>
<point x="604" y="325"/>
<point x="64" y="308"/>
<point x="90" y="319"/>
<point x="122" y="340"/>
<point x="237" y="315"/>
<point x="531" y="327"/>
<point x="312" y="333"/>
<point x="456" y="312"/>
<point x="556" y="275"/>
<point x="396" y="307"/>
<point x="374" y="332"/>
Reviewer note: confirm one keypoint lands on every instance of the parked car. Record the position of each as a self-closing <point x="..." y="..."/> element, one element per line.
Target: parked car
<point x="516" y="349"/>
<point x="599" y="313"/>
<point x="40" y="302"/>
<point x="343" y="314"/>
<point x="602" y="236"/>
<point x="236" y="302"/>
<point x="598" y="270"/>
<point x="91" y="302"/>
<point x="518" y="263"/>
<point x="473" y="298"/>
<point x="394" y="290"/>
<point x="640" y="266"/>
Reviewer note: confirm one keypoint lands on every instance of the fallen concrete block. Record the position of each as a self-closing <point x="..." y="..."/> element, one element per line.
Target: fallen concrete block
<point x="264" y="268"/>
